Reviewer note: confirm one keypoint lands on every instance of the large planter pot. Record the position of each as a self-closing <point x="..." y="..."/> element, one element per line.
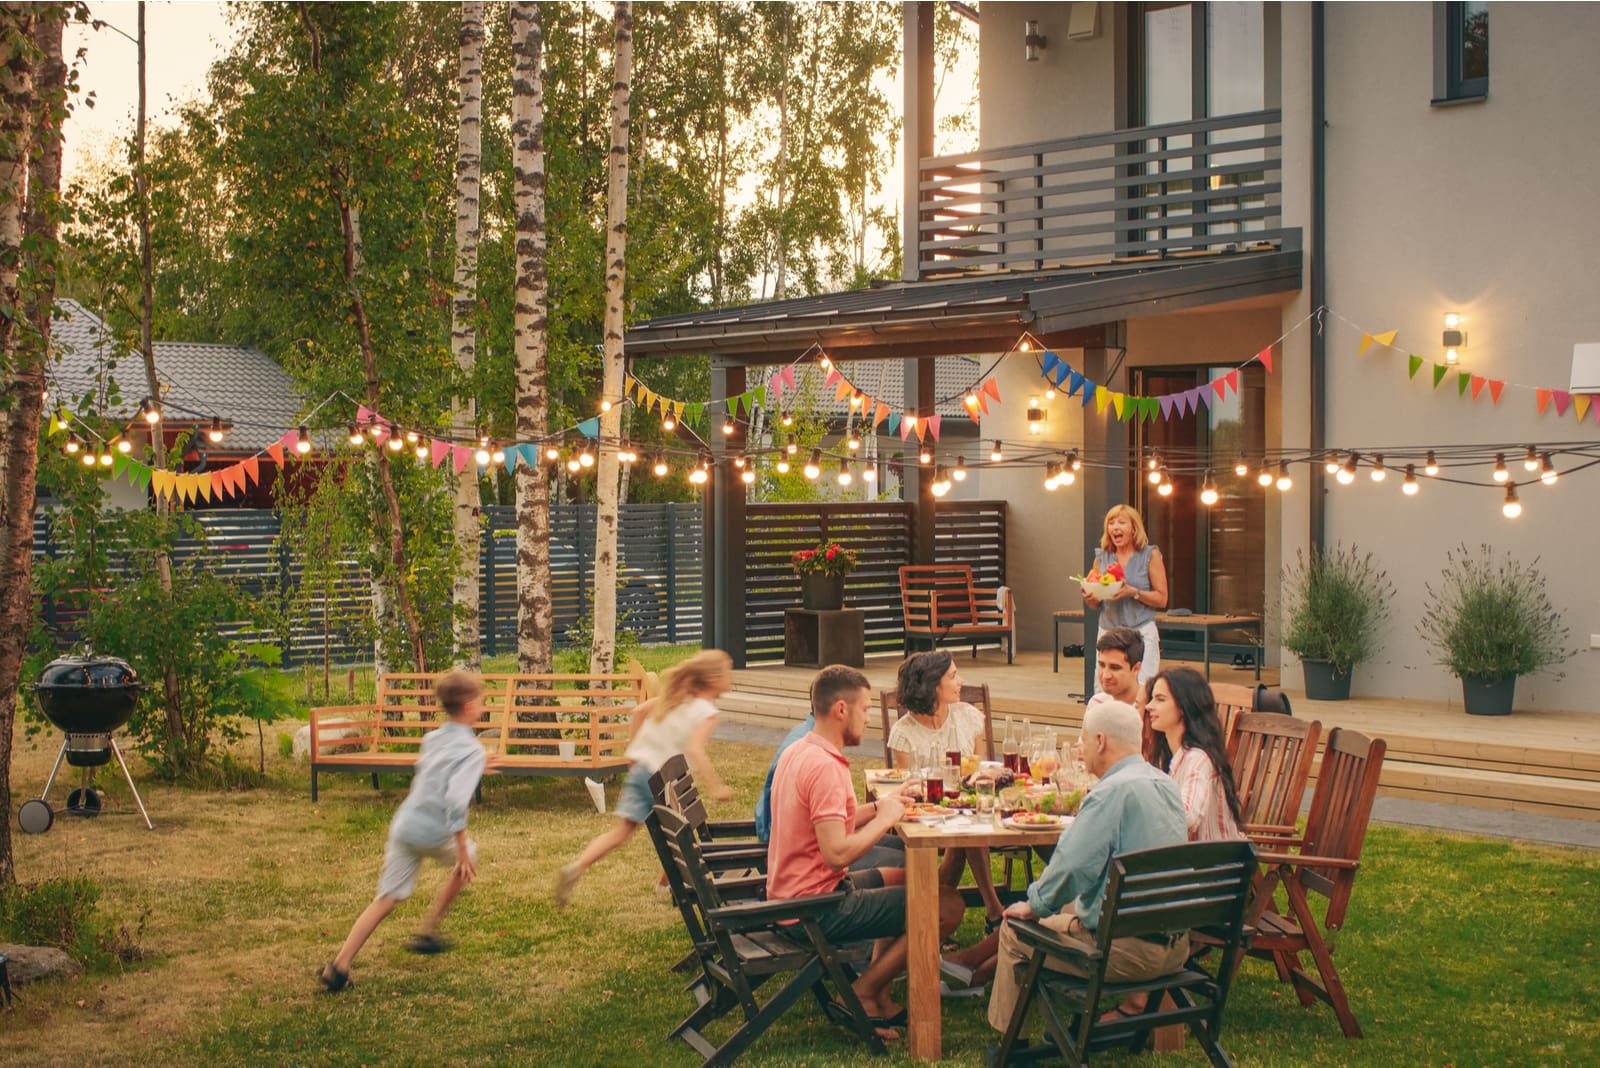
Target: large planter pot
<point x="1324" y="681"/>
<point x="1488" y="697"/>
<point x="822" y="593"/>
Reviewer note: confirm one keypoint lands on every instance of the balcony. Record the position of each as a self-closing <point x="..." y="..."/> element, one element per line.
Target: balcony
<point x="1207" y="187"/>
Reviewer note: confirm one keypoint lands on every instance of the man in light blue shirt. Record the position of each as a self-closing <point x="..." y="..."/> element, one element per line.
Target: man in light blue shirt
<point x="1134" y="806"/>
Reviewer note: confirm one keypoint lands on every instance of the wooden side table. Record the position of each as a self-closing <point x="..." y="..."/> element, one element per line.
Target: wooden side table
<point x="817" y="639"/>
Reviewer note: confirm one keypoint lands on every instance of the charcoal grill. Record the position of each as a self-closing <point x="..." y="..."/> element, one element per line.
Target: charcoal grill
<point x="88" y="697"/>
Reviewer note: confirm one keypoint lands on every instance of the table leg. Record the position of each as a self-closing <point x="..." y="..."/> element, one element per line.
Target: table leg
<point x="1055" y="651"/>
<point x="1205" y="649"/>
<point x="1261" y="652"/>
<point x="922" y="953"/>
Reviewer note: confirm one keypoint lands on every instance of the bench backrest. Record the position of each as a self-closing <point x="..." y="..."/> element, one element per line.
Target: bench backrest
<point x="938" y="594"/>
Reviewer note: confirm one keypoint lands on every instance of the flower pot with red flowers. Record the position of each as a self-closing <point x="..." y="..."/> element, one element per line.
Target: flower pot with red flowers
<point x="822" y="571"/>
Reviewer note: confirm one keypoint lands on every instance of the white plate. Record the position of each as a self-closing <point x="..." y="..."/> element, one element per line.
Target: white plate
<point x="1040" y="827"/>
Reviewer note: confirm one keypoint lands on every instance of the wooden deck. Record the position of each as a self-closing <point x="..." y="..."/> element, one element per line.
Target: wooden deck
<point x="1542" y="762"/>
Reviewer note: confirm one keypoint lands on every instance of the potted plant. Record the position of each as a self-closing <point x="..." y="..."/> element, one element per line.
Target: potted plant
<point x="1490" y="620"/>
<point x="822" y="571"/>
<point x="1335" y="605"/>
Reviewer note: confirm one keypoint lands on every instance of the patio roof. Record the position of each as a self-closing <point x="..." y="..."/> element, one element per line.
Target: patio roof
<point x="1065" y="307"/>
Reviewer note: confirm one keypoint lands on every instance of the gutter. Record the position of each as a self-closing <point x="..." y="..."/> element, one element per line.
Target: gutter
<point x="1319" y="274"/>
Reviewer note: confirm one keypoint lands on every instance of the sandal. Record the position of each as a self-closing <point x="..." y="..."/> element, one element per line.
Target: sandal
<point x="1119" y="1013"/>
<point x="334" y="980"/>
<point x="990" y="926"/>
<point x="426" y="945"/>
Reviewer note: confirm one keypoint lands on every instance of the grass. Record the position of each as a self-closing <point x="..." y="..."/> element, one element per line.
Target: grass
<point x="1457" y="950"/>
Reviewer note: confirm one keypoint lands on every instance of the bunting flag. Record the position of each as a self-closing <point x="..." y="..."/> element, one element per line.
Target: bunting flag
<point x="894" y="421"/>
<point x="1386" y="339"/>
<point x="1580" y="404"/>
<point x="589" y="428"/>
<point x="275" y="450"/>
<point x="1167" y="404"/>
<point x="252" y="470"/>
<point x="437" y="451"/>
<point x="1542" y="398"/>
<point x="462" y="457"/>
<point x="1495" y="386"/>
<point x="879" y="415"/>
<point x="1415" y="365"/>
<point x="1439" y="371"/>
<point x="933" y="425"/>
<point x="1265" y="356"/>
<point x="1119" y="402"/>
<point x="1051" y="362"/>
<point x="1562" y="399"/>
<point x="992" y="388"/>
<point x="1478" y="382"/>
<point x="1463" y="379"/>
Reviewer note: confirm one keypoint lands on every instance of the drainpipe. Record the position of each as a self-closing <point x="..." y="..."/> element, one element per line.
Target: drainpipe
<point x="1319" y="275"/>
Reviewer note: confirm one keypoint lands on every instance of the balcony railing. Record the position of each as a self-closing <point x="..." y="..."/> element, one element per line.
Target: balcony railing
<point x="1148" y="193"/>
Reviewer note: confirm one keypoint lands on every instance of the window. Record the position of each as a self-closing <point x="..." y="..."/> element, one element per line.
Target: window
<point x="1461" y="52"/>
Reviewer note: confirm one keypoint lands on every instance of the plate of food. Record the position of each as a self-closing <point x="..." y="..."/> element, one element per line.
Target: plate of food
<point x="1033" y="821"/>
<point x="889" y="775"/>
<point x="917" y="810"/>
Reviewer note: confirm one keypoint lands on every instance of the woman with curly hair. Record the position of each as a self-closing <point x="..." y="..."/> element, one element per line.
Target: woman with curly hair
<point x="937" y="719"/>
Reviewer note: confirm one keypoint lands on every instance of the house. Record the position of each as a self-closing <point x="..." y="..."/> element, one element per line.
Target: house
<point x="233" y="389"/>
<point x="1164" y="191"/>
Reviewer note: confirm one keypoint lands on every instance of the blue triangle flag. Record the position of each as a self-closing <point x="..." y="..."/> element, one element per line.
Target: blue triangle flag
<point x="1050" y="361"/>
<point x="590" y="428"/>
<point x="1076" y="383"/>
<point x="1088" y="392"/>
<point x="894" y="422"/>
<point x="1062" y="371"/>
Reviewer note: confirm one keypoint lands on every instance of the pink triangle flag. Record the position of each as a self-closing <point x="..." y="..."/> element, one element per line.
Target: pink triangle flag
<point x="363" y="415"/>
<point x="438" y="450"/>
<point x="1265" y="356"/>
<point x="787" y="374"/>
<point x="775" y="385"/>
<point x="1562" y="399"/>
<point x="833" y="376"/>
<point x="933" y="425"/>
<point x="907" y="425"/>
<point x="1204" y="394"/>
<point x="462" y="457"/>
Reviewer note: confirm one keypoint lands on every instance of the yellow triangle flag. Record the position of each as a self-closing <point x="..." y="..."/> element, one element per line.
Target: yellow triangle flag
<point x="186" y="488"/>
<point x="1580" y="404"/>
<point x="1120" y="402"/>
<point x="677" y="409"/>
<point x="1101" y="396"/>
<point x="163" y="482"/>
<point x="1386" y="339"/>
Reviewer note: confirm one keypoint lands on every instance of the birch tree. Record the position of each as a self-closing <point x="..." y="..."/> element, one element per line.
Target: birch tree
<point x="529" y="336"/>
<point x="463" y="328"/>
<point x="602" y="654"/>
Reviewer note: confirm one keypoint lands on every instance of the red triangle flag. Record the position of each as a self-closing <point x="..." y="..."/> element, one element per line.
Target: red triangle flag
<point x="1220" y="386"/>
<point x="275" y="450"/>
<point x="1232" y="378"/>
<point x="1542" y="397"/>
<point x="1478" y="382"/>
<point x="1265" y="356"/>
<point x="933" y="425"/>
<point x="1495" y="386"/>
<point x="991" y="387"/>
<point x="438" y="450"/>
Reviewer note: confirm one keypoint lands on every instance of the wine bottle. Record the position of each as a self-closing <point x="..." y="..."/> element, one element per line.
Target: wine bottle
<point x="1008" y="747"/>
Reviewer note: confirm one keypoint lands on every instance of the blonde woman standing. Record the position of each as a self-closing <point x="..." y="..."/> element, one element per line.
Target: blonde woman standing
<point x="681" y="720"/>
<point x="1144" y="584"/>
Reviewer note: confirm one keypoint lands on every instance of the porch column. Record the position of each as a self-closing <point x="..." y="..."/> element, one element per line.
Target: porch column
<point x="725" y="545"/>
<point x="916" y="480"/>
<point x="1103" y="436"/>
<point x="917" y="17"/>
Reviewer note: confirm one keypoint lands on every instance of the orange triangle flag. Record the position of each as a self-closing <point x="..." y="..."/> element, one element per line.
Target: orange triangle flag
<point x="880" y="415"/>
<point x="252" y="470"/>
<point x="983" y="402"/>
<point x="991" y="387"/>
<point x="1478" y="382"/>
<point x="1542" y="397"/>
<point x="275" y="450"/>
<point x="842" y="390"/>
<point x="1495" y="386"/>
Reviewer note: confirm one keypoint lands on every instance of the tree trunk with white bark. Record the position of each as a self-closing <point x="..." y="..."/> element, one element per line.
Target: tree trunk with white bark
<point x="463" y="329"/>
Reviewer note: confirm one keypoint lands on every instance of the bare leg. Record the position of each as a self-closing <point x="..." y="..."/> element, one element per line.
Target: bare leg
<point x="365" y="924"/>
<point x="604" y="843"/>
<point x="441" y="903"/>
<point x="983" y="875"/>
<point x="889" y="958"/>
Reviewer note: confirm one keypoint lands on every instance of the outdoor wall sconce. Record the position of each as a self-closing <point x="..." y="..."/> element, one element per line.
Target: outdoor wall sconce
<point x="1454" y="338"/>
<point x="1032" y="40"/>
<point x="1036" y="416"/>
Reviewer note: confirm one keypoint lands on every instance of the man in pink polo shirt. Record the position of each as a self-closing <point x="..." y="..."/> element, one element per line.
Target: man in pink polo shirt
<point x="818" y="830"/>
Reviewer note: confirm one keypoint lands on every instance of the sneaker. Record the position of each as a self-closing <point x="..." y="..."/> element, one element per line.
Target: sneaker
<point x="566" y="879"/>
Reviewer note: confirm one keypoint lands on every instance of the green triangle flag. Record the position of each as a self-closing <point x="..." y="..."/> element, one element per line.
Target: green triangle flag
<point x="138" y="474"/>
<point x="1462" y="382"/>
<point x="1152" y="408"/>
<point x="119" y="464"/>
<point x="1416" y="365"/>
<point x="1439" y="371"/>
<point x="694" y="410"/>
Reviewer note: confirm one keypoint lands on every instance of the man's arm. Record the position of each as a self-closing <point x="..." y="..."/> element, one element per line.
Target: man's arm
<point x="1080" y="856"/>
<point x="840" y="850"/>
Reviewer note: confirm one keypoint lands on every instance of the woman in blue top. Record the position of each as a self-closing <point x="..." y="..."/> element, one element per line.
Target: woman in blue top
<point x="1144" y="585"/>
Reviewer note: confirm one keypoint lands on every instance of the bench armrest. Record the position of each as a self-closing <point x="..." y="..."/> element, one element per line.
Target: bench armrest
<point x="1038" y="937"/>
<point x="749" y="914"/>
<point x="1290" y="860"/>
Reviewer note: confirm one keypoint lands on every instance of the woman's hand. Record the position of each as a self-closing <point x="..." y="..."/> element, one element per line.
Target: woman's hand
<point x="1091" y="600"/>
<point x="1126" y="592"/>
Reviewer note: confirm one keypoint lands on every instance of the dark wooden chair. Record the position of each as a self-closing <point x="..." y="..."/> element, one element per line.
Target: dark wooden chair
<point x="1321" y="862"/>
<point x="740" y="945"/>
<point x="1196" y="886"/>
<point x="728" y="843"/>
<point x="1271" y="756"/>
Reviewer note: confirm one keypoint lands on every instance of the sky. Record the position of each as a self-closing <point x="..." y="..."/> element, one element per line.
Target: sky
<point x="182" y="39"/>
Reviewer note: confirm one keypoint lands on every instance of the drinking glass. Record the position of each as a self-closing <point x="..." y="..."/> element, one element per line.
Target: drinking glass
<point x="986" y="799"/>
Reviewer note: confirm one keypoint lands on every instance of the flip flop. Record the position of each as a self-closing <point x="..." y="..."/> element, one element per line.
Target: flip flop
<point x="897" y="1020"/>
<point x="333" y="980"/>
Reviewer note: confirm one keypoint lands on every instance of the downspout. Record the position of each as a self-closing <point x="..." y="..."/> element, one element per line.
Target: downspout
<point x="1319" y="277"/>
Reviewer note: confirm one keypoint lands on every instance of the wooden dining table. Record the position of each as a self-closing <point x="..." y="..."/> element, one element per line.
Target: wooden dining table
<point x="923" y="842"/>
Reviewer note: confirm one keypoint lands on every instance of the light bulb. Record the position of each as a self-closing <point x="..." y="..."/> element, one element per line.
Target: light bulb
<point x="996" y="454"/>
<point x="1547" y="470"/>
<point x="1512" y="507"/>
<point x="783" y="464"/>
<point x="1153" y="461"/>
<point x="88" y="458"/>
<point x="302" y="441"/>
<point x="1451" y="357"/>
<point x="727" y="426"/>
<point x="1052" y="477"/>
<point x="786" y="419"/>
<point x="395" y="444"/>
<point x="1430" y="467"/>
<point x="422" y="450"/>
<point x="215" y="433"/>
<point x="151" y="411"/>
<point x="854" y="441"/>
<point x="924" y="455"/>
<point x="659" y="467"/>
<point x="855" y="400"/>
<point x="1451" y="320"/>
<point x="941" y="481"/>
<point x="1530" y="462"/>
<point x="1331" y="465"/>
<point x="910" y="421"/>
<point x="605" y="405"/>
<point x="824" y="363"/>
<point x="497" y="455"/>
<point x="1066" y="477"/>
<point x="1264" y="476"/>
<point x="960" y="471"/>
<point x="573" y="465"/>
<point x="1026" y="346"/>
<point x="375" y="432"/>
<point x="356" y="437"/>
<point x="738" y="461"/>
<point x="1500" y="472"/>
<point x="1073" y="463"/>
<point x="1049" y="393"/>
<point x="667" y="423"/>
<point x="586" y="458"/>
<point x="626" y="454"/>
<point x="699" y="476"/>
<point x="73" y="444"/>
<point x="1165" y="489"/>
<point x="1347" y="473"/>
<point x="813" y="466"/>
<point x="124" y="446"/>
<point x="748" y="475"/>
<point x="483" y="456"/>
<point x="869" y="473"/>
<point x="844" y="472"/>
<point x="1409" y="486"/>
<point x="411" y="437"/>
<point x="1154" y="476"/>
<point x="105" y="459"/>
<point x="1285" y="483"/>
<point x="793" y="446"/>
<point x="1241" y="467"/>
<point x="1208" y="491"/>
<point x="1378" y="471"/>
<point x="552" y="452"/>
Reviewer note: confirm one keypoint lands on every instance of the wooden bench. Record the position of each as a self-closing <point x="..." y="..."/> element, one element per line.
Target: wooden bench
<point x="525" y="718"/>
<point x="940" y="602"/>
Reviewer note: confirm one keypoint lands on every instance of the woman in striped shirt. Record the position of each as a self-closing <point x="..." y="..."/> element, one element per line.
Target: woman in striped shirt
<point x="1189" y="746"/>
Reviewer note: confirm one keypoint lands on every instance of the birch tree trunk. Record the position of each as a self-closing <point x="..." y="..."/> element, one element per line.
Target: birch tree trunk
<point x="463" y="330"/>
<point x="781" y="232"/>
<point x="22" y="364"/>
<point x="529" y="337"/>
<point x="602" y="654"/>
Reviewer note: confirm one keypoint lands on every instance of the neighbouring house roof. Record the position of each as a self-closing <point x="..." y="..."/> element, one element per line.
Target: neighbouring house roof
<point x="253" y="395"/>
<point x="968" y="314"/>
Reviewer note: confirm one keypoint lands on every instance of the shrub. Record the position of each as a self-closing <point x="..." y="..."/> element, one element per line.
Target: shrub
<point x="64" y="913"/>
<point x="1490" y="616"/>
<point x="1335" y="605"/>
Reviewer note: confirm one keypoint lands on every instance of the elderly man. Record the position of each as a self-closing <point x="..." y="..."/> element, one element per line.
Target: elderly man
<point x="1134" y="806"/>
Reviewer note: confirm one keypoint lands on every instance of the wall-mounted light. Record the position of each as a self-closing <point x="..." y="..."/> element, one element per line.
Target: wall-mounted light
<point x="1032" y="40"/>
<point x="1454" y="338"/>
<point x="1036" y="416"/>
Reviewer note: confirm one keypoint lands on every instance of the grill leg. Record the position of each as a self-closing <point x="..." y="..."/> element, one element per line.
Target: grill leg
<point x="137" y="799"/>
<point x="374" y="780"/>
<point x="52" y="780"/>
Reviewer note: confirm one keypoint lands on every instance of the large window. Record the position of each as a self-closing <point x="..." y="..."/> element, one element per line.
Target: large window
<point x="1460" y="52"/>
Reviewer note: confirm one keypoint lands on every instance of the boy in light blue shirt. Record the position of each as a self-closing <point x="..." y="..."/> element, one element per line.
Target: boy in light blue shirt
<point x="430" y="823"/>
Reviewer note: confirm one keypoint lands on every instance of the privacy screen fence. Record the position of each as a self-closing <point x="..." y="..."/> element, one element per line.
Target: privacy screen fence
<point x="660" y="595"/>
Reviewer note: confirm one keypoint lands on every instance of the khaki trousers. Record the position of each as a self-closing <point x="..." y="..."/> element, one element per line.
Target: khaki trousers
<point x="1132" y="960"/>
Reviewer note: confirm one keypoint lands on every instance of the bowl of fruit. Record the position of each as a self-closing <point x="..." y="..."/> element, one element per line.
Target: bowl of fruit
<point x="1102" y="585"/>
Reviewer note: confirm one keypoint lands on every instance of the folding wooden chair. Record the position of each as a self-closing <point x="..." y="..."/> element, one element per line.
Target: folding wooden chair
<point x="1233" y="701"/>
<point x="1198" y="885"/>
<point x="1271" y="756"/>
<point x="739" y="946"/>
<point x="732" y="843"/>
<point x="1323" y="861"/>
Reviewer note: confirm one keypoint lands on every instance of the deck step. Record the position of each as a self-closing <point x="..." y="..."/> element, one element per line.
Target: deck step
<point x="1546" y="795"/>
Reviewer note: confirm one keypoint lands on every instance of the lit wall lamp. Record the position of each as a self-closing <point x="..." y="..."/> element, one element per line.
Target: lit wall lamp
<point x="1455" y="338"/>
<point x="1036" y="416"/>
<point x="1032" y="40"/>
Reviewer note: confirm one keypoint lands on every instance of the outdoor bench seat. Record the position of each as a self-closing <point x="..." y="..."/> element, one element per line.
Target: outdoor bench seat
<point x="940" y="603"/>
<point x="525" y="720"/>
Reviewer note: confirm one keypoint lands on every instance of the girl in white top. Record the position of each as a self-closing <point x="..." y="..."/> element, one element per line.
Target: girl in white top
<point x="937" y="719"/>
<point x="681" y="720"/>
<point x="1188" y="745"/>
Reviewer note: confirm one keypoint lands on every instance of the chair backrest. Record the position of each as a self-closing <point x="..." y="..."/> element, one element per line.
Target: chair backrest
<point x="1178" y="888"/>
<point x="674" y="786"/>
<point x="1271" y="757"/>
<point x="1341" y="806"/>
<point x="682" y="857"/>
<point x="978" y="696"/>
<point x="1232" y="701"/>
<point x="941" y="592"/>
<point x="684" y="895"/>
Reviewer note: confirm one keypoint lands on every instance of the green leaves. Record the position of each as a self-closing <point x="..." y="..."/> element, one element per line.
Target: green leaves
<point x="1490" y="616"/>
<point x="1335" y="605"/>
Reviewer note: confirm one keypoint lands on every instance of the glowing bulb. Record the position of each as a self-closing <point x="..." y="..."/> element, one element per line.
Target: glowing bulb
<point x="124" y="446"/>
<point x="1052" y="476"/>
<point x="1073" y="463"/>
<point x="1530" y="462"/>
<point x="996" y="454"/>
<point x="1347" y="473"/>
<point x="302" y="441"/>
<point x="1208" y="491"/>
<point x="748" y="475"/>
<point x="668" y="423"/>
<point x="783" y="464"/>
<point x="1165" y="489"/>
<point x="483" y="456"/>
<point x="73" y="444"/>
<point x="1451" y="320"/>
<point x="1285" y="483"/>
<point x="786" y="418"/>
<point x="854" y="441"/>
<point x="586" y="458"/>
<point x="738" y="461"/>
<point x="910" y="421"/>
<point x="1049" y="393"/>
<point x="422" y="450"/>
<point x="1264" y="476"/>
<point x="88" y="458"/>
<point x="824" y="363"/>
<point x="1500" y="472"/>
<point x="659" y="467"/>
<point x="395" y="444"/>
<point x="105" y="459"/>
<point x="924" y="455"/>
<point x="699" y="476"/>
<point x="552" y="452"/>
<point x="1431" y="466"/>
<point x="793" y="446"/>
<point x="151" y="411"/>
<point x="869" y="473"/>
<point x="941" y="481"/>
<point x="844" y="472"/>
<point x="1331" y="466"/>
<point x="813" y="466"/>
<point x="1512" y="507"/>
<point x="1241" y="467"/>
<point x="1378" y="471"/>
<point x="727" y="426"/>
<point x="1154" y="476"/>
<point x="497" y="455"/>
<point x="1026" y="346"/>
<point x="1547" y="470"/>
<point x="411" y="437"/>
<point x="855" y="400"/>
<point x="573" y="465"/>
<point x="215" y="433"/>
<point x="605" y="405"/>
<point x="1409" y="487"/>
<point x="1065" y="476"/>
<point x="960" y="472"/>
<point x="1153" y="461"/>
<point x="1451" y="357"/>
<point x="356" y="437"/>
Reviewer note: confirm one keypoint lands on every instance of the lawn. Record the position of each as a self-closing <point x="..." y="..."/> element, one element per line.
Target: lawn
<point x="1458" y="950"/>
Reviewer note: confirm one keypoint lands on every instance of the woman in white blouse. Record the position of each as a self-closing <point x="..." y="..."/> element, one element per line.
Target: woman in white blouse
<point x="938" y="721"/>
